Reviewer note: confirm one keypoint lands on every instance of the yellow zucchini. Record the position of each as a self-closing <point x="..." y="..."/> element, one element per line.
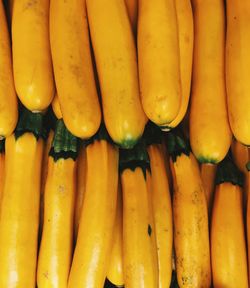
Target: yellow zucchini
<point x="159" y="60"/>
<point x="19" y="215"/>
<point x="237" y="68"/>
<point x="186" y="42"/>
<point x="162" y="213"/>
<point x="191" y="233"/>
<point x="97" y="220"/>
<point x="210" y="134"/>
<point x="228" y="244"/>
<point x="81" y="186"/>
<point x="73" y="67"/>
<point x="33" y="71"/>
<point x="115" y="273"/>
<point x="115" y="55"/>
<point x="139" y="251"/>
<point x="8" y="99"/>
<point x="56" y="247"/>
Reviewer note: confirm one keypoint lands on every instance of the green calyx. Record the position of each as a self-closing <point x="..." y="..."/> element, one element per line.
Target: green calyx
<point x="152" y="134"/>
<point x="2" y="146"/>
<point x="176" y="144"/>
<point x="30" y="122"/>
<point x="135" y="157"/>
<point x="64" y="145"/>
<point x="227" y="172"/>
<point x="101" y="134"/>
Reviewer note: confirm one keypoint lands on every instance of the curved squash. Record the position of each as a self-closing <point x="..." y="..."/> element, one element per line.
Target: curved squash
<point x="115" y="55"/>
<point x="73" y="67"/>
<point x="210" y="142"/>
<point x="33" y="71"/>
<point x="8" y="99"/>
<point x="19" y="216"/>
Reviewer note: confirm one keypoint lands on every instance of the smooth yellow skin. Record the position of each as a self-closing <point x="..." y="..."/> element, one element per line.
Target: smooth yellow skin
<point x="228" y="244"/>
<point x="115" y="55"/>
<point x="56" y="247"/>
<point x="8" y="99"/>
<point x="73" y="67"/>
<point x="132" y="7"/>
<point x="159" y="60"/>
<point x="191" y="235"/>
<point x="33" y="71"/>
<point x="210" y="133"/>
<point x="162" y="213"/>
<point x="94" y="241"/>
<point x="186" y="42"/>
<point x="208" y="173"/>
<point x="44" y="176"/>
<point x="151" y="221"/>
<point x="2" y="171"/>
<point x="237" y="68"/>
<point x="19" y="216"/>
<point x="56" y="107"/>
<point x="81" y="186"/>
<point x="115" y="268"/>
<point x="138" y="251"/>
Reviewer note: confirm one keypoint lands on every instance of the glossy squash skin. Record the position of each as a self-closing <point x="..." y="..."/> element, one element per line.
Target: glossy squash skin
<point x="97" y="220"/>
<point x="210" y="142"/>
<point x="237" y="68"/>
<point x="139" y="251"/>
<point x="115" y="272"/>
<point x="56" y="246"/>
<point x="228" y="243"/>
<point x="116" y="61"/>
<point x="191" y="227"/>
<point x="32" y="63"/>
<point x="73" y="67"/>
<point x="8" y="98"/>
<point x="19" y="214"/>
<point x="159" y="60"/>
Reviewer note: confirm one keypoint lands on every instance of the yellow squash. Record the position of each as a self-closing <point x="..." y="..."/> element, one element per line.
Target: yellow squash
<point x="8" y="99"/>
<point x="73" y="67"/>
<point x="97" y="220"/>
<point x="191" y="233"/>
<point x="33" y="72"/>
<point x="139" y="252"/>
<point x="56" y="247"/>
<point x="81" y="187"/>
<point x="115" y="55"/>
<point x="159" y="60"/>
<point x="237" y="68"/>
<point x="44" y="174"/>
<point x="56" y="107"/>
<point x="210" y="134"/>
<point x="19" y="215"/>
<point x="2" y="169"/>
<point x="162" y="213"/>
<point x="186" y="42"/>
<point x="208" y="172"/>
<point x="115" y="272"/>
<point x="228" y="244"/>
<point x="132" y="7"/>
